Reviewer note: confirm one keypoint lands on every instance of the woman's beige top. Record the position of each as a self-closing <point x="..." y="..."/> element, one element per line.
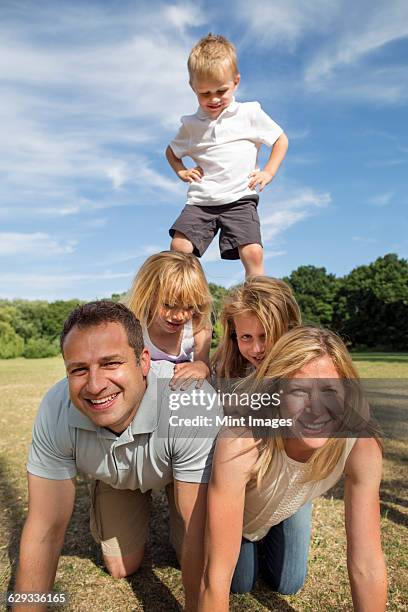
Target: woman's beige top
<point x="283" y="491"/>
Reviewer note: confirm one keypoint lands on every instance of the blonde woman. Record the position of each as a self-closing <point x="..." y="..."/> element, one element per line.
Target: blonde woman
<point x="257" y="482"/>
<point x="171" y="299"/>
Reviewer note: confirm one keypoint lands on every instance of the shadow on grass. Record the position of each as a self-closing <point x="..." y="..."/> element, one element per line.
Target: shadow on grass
<point x="150" y="591"/>
<point x="380" y="357"/>
<point x="11" y="505"/>
<point x="389" y="498"/>
<point x="269" y="599"/>
<point x="393" y="514"/>
<point x="391" y="490"/>
<point x="398" y="457"/>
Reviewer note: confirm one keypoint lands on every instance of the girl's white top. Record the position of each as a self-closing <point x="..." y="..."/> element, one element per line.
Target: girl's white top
<point x="283" y="491"/>
<point x="186" y="349"/>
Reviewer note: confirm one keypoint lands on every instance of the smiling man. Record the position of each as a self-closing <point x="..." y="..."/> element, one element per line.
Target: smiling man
<point x="107" y="419"/>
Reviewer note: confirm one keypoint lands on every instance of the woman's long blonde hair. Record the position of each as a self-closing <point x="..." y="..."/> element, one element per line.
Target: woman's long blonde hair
<point x="272" y="301"/>
<point x="290" y="354"/>
<point x="172" y="278"/>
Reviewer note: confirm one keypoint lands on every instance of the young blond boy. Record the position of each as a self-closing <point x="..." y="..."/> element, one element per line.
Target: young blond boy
<point x="223" y="138"/>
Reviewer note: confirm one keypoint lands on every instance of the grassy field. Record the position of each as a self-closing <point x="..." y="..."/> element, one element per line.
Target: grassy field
<point x="157" y="586"/>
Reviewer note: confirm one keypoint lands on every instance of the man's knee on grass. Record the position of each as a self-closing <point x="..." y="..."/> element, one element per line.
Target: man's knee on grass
<point x="120" y="567"/>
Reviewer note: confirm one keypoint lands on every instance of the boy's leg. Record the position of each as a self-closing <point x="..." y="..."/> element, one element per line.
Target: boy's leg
<point x="181" y="243"/>
<point x="119" y="520"/>
<point x="241" y="235"/>
<point x="285" y="551"/>
<point x="194" y="229"/>
<point x="251" y="256"/>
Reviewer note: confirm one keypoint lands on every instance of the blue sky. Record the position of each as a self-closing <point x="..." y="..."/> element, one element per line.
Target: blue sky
<point x="92" y="92"/>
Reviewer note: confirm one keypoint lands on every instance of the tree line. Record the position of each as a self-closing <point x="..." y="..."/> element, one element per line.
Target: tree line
<point x="368" y="307"/>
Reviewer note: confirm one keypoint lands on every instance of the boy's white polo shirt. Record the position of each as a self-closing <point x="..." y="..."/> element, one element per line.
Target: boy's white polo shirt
<point x="149" y="454"/>
<point x="226" y="148"/>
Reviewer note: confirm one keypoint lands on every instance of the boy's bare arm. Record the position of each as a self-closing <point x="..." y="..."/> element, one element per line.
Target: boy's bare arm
<point x="260" y="178"/>
<point x="188" y="175"/>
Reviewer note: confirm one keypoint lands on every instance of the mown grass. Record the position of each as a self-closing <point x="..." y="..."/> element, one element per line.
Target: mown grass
<point x="381" y="365"/>
<point x="157" y="586"/>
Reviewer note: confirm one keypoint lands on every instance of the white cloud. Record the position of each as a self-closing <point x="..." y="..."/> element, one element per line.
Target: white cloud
<point x="120" y="258"/>
<point x="382" y="199"/>
<point x="371" y="26"/>
<point x="365" y="84"/>
<point x="117" y="173"/>
<point x="59" y="285"/>
<point x="96" y="223"/>
<point x="149" y="177"/>
<point x="37" y="244"/>
<point x="278" y="215"/>
<point x="45" y="211"/>
<point x="384" y="163"/>
<point x="345" y="66"/>
<point x="364" y="240"/>
<point x="305" y="197"/>
<point x="298" y="134"/>
<point x="184" y="15"/>
<point x="290" y="210"/>
<point x="286" y="21"/>
<point x="141" y="75"/>
<point x="213" y="252"/>
<point x="279" y="221"/>
<point x="338" y="41"/>
<point x="106" y="82"/>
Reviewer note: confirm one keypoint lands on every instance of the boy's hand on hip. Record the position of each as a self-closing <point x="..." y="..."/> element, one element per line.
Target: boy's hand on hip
<point x="259" y="178"/>
<point x="191" y="175"/>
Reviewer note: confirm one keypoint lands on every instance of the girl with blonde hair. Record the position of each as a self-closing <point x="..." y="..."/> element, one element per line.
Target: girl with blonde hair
<point x="258" y="482"/>
<point x="171" y="298"/>
<point x="253" y="317"/>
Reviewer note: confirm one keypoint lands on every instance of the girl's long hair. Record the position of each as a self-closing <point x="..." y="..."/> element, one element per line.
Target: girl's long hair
<point x="290" y="354"/>
<point x="272" y="301"/>
<point x="172" y="278"/>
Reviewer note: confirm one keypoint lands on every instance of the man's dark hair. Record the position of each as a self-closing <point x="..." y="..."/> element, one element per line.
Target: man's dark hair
<point x="105" y="311"/>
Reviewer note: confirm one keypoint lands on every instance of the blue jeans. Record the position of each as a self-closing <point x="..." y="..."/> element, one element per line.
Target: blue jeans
<point x="281" y="556"/>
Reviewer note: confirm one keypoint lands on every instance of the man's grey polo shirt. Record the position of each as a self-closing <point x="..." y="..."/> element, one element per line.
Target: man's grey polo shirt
<point x="65" y="441"/>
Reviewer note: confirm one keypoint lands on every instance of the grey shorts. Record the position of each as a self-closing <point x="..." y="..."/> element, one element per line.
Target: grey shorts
<point x="238" y="222"/>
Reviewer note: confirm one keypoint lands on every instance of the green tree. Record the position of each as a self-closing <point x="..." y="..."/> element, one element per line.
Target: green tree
<point x="372" y="304"/>
<point x="40" y="347"/>
<point x="40" y="319"/>
<point x="118" y="297"/>
<point x="315" y="291"/>
<point x="11" y="344"/>
<point x="54" y="317"/>
<point x="218" y="292"/>
<point x="28" y="318"/>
